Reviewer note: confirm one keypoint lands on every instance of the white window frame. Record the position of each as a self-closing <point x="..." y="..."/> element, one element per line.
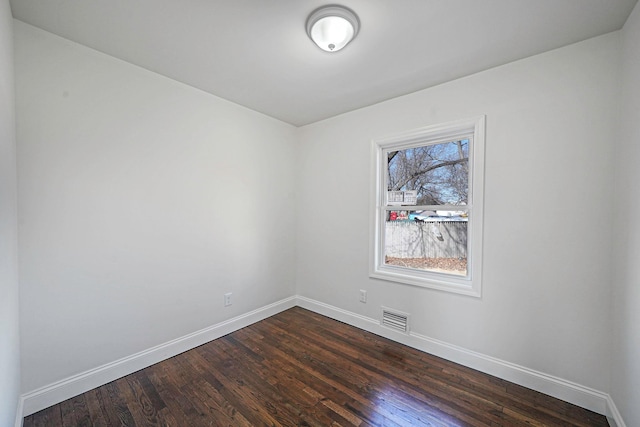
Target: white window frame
<point x="471" y="284"/>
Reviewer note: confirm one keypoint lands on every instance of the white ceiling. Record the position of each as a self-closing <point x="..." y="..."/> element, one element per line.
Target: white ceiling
<point x="256" y="52"/>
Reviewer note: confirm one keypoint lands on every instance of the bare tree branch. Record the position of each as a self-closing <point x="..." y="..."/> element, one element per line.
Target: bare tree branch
<point x="425" y="170"/>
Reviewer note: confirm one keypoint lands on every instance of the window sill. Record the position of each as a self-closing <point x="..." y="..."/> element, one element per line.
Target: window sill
<point x="427" y="279"/>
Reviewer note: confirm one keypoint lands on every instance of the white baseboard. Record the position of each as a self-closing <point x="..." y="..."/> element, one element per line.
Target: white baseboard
<point x="19" y="412"/>
<point x="60" y="391"/>
<point x="613" y="415"/>
<point x="568" y="391"/>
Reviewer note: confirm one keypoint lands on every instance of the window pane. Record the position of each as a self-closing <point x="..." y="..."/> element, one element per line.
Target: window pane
<point x="436" y="174"/>
<point x="427" y="240"/>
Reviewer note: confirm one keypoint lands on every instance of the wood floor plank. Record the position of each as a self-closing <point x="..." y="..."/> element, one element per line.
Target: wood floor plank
<point x="108" y="409"/>
<point x="246" y="400"/>
<point x="299" y="368"/>
<point x="367" y="377"/>
<point x="117" y="401"/>
<point x="181" y="408"/>
<point x="360" y="391"/>
<point x="81" y="411"/>
<point x="295" y="406"/>
<point x="139" y="404"/>
<point x="248" y="378"/>
<point x="49" y="417"/>
<point x="95" y="405"/>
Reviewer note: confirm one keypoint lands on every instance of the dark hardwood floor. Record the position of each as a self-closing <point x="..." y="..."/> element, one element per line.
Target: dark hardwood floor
<point x="302" y="369"/>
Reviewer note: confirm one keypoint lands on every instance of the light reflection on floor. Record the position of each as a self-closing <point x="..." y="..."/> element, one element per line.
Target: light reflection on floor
<point x="396" y="405"/>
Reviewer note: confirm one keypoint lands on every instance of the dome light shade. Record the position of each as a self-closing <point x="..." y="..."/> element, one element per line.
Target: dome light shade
<point x="332" y="27"/>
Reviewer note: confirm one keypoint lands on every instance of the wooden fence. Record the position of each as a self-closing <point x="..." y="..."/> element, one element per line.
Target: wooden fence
<point x="441" y="239"/>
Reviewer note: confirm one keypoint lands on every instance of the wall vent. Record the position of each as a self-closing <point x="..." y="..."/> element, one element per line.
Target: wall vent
<point x="395" y="320"/>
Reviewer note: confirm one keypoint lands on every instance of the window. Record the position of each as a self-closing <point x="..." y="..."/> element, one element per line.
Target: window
<point x="427" y="207"/>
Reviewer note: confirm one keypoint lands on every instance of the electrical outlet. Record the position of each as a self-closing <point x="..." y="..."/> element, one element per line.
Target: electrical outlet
<point x="227" y="299"/>
<point x="363" y="295"/>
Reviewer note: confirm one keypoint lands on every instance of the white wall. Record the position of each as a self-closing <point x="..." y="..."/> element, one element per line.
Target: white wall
<point x="142" y="201"/>
<point x="625" y="366"/>
<point x="9" y="338"/>
<point x="550" y="120"/>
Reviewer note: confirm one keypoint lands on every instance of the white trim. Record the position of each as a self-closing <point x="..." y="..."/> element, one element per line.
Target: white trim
<point x="59" y="391"/>
<point x="474" y="129"/>
<point x="613" y="415"/>
<point x="568" y="391"/>
<point x="19" y="412"/>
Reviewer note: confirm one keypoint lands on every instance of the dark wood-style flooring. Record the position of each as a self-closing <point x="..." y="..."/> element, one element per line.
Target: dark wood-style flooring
<point x="298" y="368"/>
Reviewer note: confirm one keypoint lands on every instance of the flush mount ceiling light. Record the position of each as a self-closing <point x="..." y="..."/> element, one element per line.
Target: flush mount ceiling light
<point x="332" y="27"/>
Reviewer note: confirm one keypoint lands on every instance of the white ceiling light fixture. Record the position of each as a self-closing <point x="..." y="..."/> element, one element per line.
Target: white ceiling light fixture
<point x="332" y="27"/>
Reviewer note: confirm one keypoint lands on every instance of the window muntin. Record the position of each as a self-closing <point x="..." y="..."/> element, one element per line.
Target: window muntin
<point x="427" y="229"/>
